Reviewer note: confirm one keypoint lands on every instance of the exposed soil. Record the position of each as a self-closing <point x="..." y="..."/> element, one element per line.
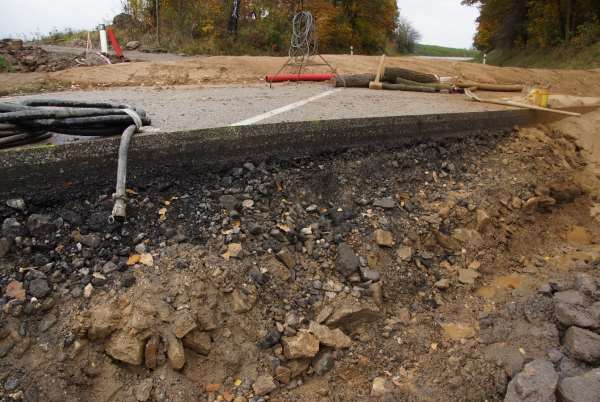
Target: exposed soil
<point x="441" y="264"/>
<point x="245" y="69"/>
<point x="25" y="58"/>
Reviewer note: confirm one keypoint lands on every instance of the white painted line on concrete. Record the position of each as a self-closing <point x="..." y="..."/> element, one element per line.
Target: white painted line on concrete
<point x="284" y="109"/>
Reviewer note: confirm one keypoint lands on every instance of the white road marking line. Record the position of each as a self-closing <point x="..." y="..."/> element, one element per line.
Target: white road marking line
<point x="284" y="109"/>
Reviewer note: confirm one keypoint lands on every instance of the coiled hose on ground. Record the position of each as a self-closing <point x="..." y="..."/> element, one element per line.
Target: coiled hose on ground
<point x="35" y="120"/>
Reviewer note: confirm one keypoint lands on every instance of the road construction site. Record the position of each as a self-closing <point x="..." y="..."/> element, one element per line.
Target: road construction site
<point x="303" y="242"/>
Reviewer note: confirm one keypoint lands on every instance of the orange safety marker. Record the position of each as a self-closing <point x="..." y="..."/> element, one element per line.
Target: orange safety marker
<point x="114" y="42"/>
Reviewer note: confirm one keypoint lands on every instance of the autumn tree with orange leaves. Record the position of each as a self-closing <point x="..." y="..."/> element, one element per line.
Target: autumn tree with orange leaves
<point x="536" y="23"/>
<point x="264" y="25"/>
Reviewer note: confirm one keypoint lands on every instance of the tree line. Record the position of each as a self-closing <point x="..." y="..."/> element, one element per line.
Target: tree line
<point x="506" y="24"/>
<point x="264" y="26"/>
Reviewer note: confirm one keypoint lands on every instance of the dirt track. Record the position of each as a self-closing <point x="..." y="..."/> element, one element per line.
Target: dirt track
<point x="245" y="69"/>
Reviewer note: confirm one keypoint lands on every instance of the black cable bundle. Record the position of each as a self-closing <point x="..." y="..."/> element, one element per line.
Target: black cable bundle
<point x="35" y="120"/>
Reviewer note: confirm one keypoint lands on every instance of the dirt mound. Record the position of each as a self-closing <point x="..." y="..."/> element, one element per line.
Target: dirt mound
<point x="27" y="58"/>
<point x="440" y="271"/>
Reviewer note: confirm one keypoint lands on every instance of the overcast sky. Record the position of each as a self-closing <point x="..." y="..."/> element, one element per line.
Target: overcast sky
<point x="441" y="22"/>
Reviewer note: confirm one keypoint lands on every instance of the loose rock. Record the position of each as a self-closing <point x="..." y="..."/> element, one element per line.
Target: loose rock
<point x="264" y="385"/>
<point x="385" y="203"/>
<point x="39" y="288"/>
<point x="467" y="276"/>
<point x="14" y="290"/>
<point x="583" y="388"/>
<point x="40" y="225"/>
<point x="334" y="338"/>
<point x="198" y="341"/>
<point x="349" y="314"/>
<point x="347" y="261"/>
<point x="126" y="348"/>
<point x="384" y="238"/>
<point x="583" y="344"/>
<point x="303" y="345"/>
<point x="16" y="203"/>
<point x="537" y="382"/>
<point x="175" y="351"/>
<point x="183" y="323"/>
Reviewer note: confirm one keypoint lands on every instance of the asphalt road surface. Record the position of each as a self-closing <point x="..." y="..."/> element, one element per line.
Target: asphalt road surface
<point x="189" y="108"/>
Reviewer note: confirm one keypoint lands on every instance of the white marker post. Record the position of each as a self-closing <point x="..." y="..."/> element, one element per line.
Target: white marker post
<point x="103" y="40"/>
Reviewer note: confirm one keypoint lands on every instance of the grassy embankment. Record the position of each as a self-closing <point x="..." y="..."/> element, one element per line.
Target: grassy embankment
<point x="560" y="57"/>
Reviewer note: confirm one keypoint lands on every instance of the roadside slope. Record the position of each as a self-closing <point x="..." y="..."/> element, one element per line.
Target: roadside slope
<point x="246" y="69"/>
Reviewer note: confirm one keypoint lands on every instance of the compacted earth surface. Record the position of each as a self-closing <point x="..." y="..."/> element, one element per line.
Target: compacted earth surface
<point x="459" y="270"/>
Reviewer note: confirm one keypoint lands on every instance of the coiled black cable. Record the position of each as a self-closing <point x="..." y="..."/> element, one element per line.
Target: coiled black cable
<point x="35" y="120"/>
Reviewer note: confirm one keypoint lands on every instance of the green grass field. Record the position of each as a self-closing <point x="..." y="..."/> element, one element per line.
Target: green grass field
<point x="440" y="51"/>
<point x="560" y="57"/>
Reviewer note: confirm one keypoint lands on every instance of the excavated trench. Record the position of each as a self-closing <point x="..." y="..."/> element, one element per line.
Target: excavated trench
<point x="365" y="260"/>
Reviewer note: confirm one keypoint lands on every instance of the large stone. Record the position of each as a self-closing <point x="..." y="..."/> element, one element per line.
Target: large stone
<point x="228" y="202"/>
<point x="16" y="203"/>
<point x="126" y="348"/>
<point x="334" y="338"/>
<point x="198" y="341"/>
<point x="14" y="290"/>
<point x="40" y="225"/>
<point x="264" y="385"/>
<point x="506" y="356"/>
<point x="582" y="388"/>
<point x="404" y="253"/>
<point x="104" y="320"/>
<point x="468" y="237"/>
<point x="384" y="238"/>
<point x="151" y="352"/>
<point x="91" y="240"/>
<point x="183" y="323"/>
<point x="175" y="351"/>
<point x="536" y="383"/>
<point x="243" y="300"/>
<point x="283" y="374"/>
<point x="583" y="344"/>
<point x="297" y="367"/>
<point x="385" y="203"/>
<point x="12" y="228"/>
<point x="303" y="345"/>
<point x="349" y="314"/>
<point x="573" y="315"/>
<point x="467" y="276"/>
<point x="286" y="258"/>
<point x="347" y="261"/>
<point x="234" y="250"/>
<point x="39" y="288"/>
<point x="133" y="45"/>
<point x="570" y="297"/>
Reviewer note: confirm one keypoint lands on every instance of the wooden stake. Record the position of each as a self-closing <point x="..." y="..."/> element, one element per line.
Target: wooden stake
<point x="377" y="83"/>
